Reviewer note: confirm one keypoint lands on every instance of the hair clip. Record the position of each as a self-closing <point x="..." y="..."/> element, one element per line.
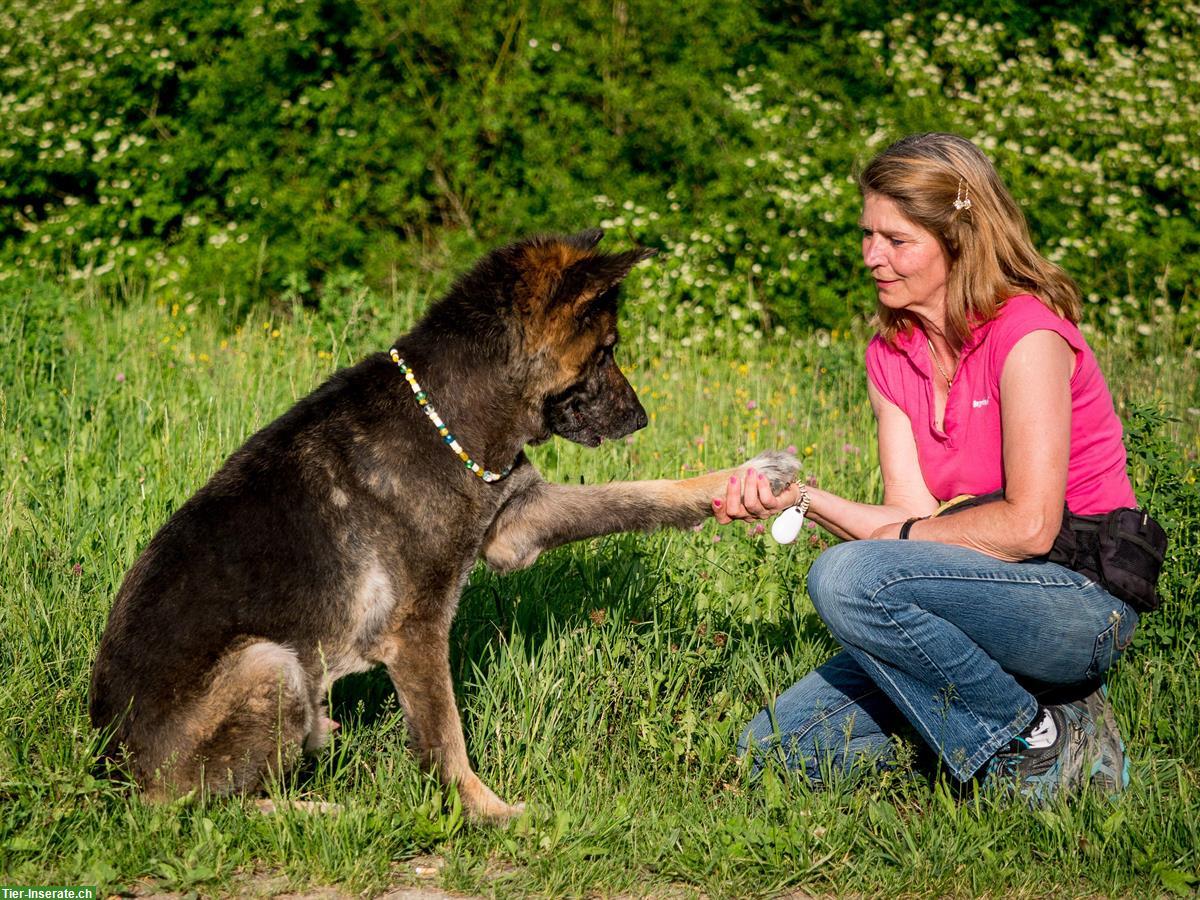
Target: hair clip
<point x="963" y="200"/>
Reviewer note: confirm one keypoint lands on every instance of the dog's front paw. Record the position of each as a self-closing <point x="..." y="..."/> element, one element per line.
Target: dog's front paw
<point x="779" y="467"/>
<point x="498" y="813"/>
<point x="485" y="807"/>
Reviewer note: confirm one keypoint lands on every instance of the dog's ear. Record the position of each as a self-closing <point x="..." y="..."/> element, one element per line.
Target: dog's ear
<point x="540" y="263"/>
<point x="587" y="280"/>
<point x="586" y="239"/>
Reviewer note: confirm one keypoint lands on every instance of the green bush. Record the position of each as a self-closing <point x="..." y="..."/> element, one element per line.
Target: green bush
<point x="247" y="149"/>
<point x="1096" y="144"/>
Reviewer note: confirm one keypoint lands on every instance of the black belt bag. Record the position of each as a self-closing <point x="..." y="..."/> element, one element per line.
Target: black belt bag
<point x="1122" y="551"/>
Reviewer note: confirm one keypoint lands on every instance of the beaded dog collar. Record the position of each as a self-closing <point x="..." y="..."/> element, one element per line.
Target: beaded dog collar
<point x="450" y="440"/>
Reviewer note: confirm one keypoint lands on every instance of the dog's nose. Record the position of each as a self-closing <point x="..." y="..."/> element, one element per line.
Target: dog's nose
<point x="639" y="418"/>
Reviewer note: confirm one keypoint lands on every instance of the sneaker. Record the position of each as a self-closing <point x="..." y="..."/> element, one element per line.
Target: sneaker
<point x="1040" y="773"/>
<point x="1110" y="771"/>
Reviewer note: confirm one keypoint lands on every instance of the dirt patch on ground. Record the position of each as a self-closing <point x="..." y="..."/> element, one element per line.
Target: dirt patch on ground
<point x="415" y="881"/>
<point x="274" y="885"/>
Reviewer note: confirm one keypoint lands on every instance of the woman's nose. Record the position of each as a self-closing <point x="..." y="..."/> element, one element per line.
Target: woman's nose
<point x="872" y="251"/>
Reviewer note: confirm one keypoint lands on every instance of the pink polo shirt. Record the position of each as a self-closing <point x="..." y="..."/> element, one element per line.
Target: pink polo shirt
<point x="967" y="457"/>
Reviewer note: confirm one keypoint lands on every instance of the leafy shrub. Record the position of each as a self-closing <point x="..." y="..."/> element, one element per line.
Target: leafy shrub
<point x="252" y="148"/>
<point x="1095" y="144"/>
<point x="240" y="143"/>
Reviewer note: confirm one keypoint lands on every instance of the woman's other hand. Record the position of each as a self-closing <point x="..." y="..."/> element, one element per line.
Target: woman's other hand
<point x="888" y="532"/>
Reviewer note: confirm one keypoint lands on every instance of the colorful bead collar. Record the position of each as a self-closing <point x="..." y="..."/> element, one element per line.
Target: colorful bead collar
<point x="450" y="440"/>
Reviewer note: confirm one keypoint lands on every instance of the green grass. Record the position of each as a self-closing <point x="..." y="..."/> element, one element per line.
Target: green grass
<point x="606" y="686"/>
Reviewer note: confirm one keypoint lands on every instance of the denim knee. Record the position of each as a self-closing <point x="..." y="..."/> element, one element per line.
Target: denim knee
<point x="818" y="742"/>
<point x="765" y="738"/>
<point x="841" y="582"/>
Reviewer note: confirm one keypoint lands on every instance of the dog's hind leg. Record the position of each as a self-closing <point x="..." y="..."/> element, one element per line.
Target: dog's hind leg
<point x="418" y="662"/>
<point x="251" y="722"/>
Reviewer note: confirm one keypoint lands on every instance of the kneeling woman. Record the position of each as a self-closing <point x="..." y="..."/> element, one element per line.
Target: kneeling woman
<point x="980" y="381"/>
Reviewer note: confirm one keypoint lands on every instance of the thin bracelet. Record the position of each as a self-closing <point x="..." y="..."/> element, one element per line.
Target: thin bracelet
<point x="907" y="526"/>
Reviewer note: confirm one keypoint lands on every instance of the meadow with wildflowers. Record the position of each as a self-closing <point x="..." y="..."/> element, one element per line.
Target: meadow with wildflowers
<point x="207" y="208"/>
<point x="607" y="685"/>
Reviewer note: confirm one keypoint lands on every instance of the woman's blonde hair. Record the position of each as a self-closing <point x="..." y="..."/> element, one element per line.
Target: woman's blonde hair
<point x="986" y="240"/>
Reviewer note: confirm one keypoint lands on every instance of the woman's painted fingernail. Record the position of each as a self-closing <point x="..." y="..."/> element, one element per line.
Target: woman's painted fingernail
<point x="733" y="479"/>
<point x="716" y="503"/>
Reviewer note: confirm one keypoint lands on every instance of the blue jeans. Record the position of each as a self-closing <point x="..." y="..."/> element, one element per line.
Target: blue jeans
<point x="943" y="639"/>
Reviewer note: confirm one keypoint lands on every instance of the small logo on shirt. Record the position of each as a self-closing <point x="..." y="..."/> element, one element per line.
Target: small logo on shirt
<point x="978" y="403"/>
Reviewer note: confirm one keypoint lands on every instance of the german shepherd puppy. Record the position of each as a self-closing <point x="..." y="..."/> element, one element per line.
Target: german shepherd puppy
<point x="341" y="535"/>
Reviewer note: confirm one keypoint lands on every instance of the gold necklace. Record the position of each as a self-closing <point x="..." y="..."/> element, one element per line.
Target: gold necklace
<point x="941" y="371"/>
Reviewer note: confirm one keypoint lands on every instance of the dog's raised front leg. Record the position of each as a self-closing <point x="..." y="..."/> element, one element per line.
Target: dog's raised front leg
<point x="418" y="662"/>
<point x="546" y="515"/>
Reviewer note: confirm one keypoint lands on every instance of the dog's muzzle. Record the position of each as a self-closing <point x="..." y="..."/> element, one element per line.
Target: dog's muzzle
<point x="589" y="417"/>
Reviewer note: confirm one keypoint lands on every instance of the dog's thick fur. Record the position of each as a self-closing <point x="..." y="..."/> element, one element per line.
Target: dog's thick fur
<point x="340" y="536"/>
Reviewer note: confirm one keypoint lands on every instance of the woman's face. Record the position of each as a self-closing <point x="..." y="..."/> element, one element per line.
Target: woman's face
<point x="906" y="261"/>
